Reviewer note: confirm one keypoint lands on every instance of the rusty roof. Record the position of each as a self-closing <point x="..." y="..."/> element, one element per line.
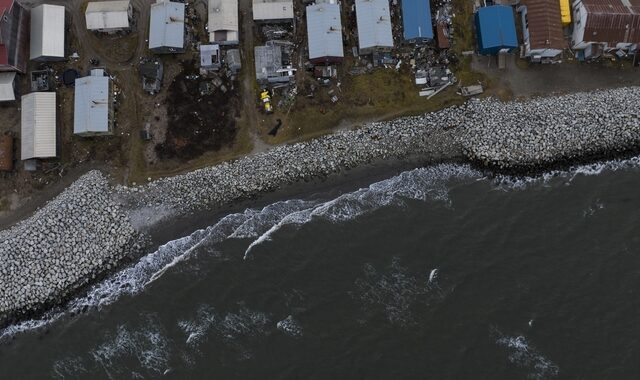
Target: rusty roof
<point x="545" y="24"/>
<point x="612" y="21"/>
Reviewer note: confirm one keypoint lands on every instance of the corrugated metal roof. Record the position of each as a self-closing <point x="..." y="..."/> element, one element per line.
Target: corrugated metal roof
<point x="272" y="10"/>
<point x="545" y="24"/>
<point x="107" y="15"/>
<point x="47" y="31"/>
<point x="374" y="23"/>
<point x="612" y="21"/>
<point x="91" y="105"/>
<point x="38" y="125"/>
<point x="4" y="5"/>
<point x="495" y="29"/>
<point x="223" y="20"/>
<point x="416" y="19"/>
<point x="166" y="25"/>
<point x="324" y="30"/>
<point x="7" y="92"/>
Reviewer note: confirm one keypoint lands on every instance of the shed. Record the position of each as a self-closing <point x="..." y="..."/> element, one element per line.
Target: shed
<point x="210" y="57"/>
<point x="496" y="29"/>
<point x="273" y="10"/>
<point x="223" y="22"/>
<point x="374" y="26"/>
<point x="7" y="92"/>
<point x="108" y="16"/>
<point x="47" y="33"/>
<point x="93" y="107"/>
<point x="166" y="27"/>
<point x="416" y="20"/>
<point x="269" y="68"/>
<point x="38" y="125"/>
<point x="151" y="72"/>
<point x="324" y="30"/>
<point x="232" y="60"/>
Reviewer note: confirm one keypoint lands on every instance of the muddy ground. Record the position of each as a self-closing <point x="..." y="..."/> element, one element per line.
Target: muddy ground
<point x="201" y="114"/>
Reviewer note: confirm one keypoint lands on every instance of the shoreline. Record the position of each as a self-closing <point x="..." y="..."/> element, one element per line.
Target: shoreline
<point x="101" y="221"/>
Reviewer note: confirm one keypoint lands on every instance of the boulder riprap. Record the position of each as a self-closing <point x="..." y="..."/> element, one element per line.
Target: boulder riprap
<point x="532" y="134"/>
<point x="88" y="229"/>
<point x="77" y="236"/>
<point x="541" y="132"/>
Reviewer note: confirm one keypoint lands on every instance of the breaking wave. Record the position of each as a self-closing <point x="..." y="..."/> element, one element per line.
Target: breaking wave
<point x="526" y="357"/>
<point x="260" y="225"/>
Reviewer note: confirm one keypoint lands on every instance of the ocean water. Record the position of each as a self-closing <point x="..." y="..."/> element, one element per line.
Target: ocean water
<point x="439" y="272"/>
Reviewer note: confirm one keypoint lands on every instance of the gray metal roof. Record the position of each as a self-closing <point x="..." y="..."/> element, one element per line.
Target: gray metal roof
<point x="374" y="24"/>
<point x="166" y="25"/>
<point x="47" y="31"/>
<point x="91" y="106"/>
<point x="268" y="60"/>
<point x="272" y="9"/>
<point x="7" y="92"/>
<point x="324" y="30"/>
<point x="207" y="52"/>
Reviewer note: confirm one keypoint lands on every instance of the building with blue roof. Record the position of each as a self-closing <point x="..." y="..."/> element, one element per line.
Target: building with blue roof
<point x="416" y="20"/>
<point x="496" y="29"/>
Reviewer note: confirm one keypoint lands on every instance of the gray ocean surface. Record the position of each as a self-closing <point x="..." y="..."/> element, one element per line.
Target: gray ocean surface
<point x="438" y="273"/>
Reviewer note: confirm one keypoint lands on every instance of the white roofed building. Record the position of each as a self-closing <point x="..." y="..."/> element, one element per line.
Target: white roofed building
<point x="374" y="26"/>
<point x="210" y="57"/>
<point x="166" y="27"/>
<point x="273" y="11"/>
<point x="7" y="86"/>
<point x="223" y="22"/>
<point x="93" y="105"/>
<point x="324" y="31"/>
<point x="108" y="16"/>
<point x="47" y="33"/>
<point x="38" y="125"/>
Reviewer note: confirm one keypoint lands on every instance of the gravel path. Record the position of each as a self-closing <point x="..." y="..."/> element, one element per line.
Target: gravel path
<point x="91" y="228"/>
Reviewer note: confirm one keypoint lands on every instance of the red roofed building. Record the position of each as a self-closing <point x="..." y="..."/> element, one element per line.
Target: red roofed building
<point x="14" y="36"/>
<point x="601" y="25"/>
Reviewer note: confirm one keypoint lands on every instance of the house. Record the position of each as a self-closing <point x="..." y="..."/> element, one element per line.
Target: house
<point x="223" y="22"/>
<point x="416" y="20"/>
<point x="495" y="29"/>
<point x="38" y="125"/>
<point x="324" y="32"/>
<point x="14" y="36"/>
<point x="93" y="106"/>
<point x="374" y="26"/>
<point x="269" y="67"/>
<point x="7" y="86"/>
<point x="109" y="16"/>
<point x="166" y="27"/>
<point x="151" y="71"/>
<point x="542" y="29"/>
<point x="47" y="33"/>
<point x="604" y="25"/>
<point x="272" y="11"/>
<point x="210" y="57"/>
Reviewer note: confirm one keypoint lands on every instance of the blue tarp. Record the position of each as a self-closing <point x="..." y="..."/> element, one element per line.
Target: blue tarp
<point x="496" y="29"/>
<point x="416" y="20"/>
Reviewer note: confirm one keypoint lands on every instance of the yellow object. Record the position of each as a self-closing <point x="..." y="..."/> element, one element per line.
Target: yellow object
<point x="565" y="12"/>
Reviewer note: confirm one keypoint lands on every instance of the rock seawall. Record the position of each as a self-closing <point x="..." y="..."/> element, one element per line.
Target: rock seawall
<point x="88" y="229"/>
<point x="75" y="237"/>
<point x="533" y="135"/>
